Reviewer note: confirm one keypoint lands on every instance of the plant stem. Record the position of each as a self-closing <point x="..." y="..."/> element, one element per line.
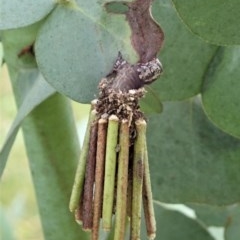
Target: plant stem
<point x="99" y="176"/>
<point x="130" y="182"/>
<point x="87" y="210"/>
<point x="148" y="200"/>
<point x="78" y="213"/>
<point x="139" y="149"/>
<point x="80" y="173"/>
<point x="122" y="181"/>
<point x="110" y="168"/>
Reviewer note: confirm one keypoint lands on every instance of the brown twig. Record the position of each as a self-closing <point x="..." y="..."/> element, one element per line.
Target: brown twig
<point x="87" y="214"/>
<point x="78" y="212"/>
<point x="130" y="182"/>
<point x="99" y="176"/>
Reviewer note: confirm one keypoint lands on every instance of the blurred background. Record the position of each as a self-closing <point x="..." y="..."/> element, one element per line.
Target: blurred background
<point x="19" y="219"/>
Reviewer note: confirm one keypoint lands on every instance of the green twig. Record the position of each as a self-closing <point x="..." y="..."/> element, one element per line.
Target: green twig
<point x="110" y="168"/>
<point x="148" y="200"/>
<point x="80" y="173"/>
<point x="139" y="149"/>
<point x="122" y="181"/>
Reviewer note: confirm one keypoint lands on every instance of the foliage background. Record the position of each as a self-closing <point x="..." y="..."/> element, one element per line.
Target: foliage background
<point x="200" y="148"/>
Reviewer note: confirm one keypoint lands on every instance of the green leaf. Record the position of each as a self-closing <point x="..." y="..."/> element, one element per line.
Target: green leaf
<point x="221" y="90"/>
<point x="151" y="103"/>
<point x="50" y="137"/>
<point x="1" y="55"/>
<point x="173" y="225"/>
<point x="190" y="159"/>
<point x="213" y="215"/>
<point x="15" y="14"/>
<point x="232" y="231"/>
<point x="53" y="150"/>
<point x="86" y="40"/>
<point x="184" y="56"/>
<point x="216" y="21"/>
<point x="15" y="41"/>
<point x="38" y="93"/>
<point x="116" y="7"/>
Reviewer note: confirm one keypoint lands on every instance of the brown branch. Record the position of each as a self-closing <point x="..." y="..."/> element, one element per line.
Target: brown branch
<point x="78" y="212"/>
<point x="99" y="176"/>
<point x="87" y="215"/>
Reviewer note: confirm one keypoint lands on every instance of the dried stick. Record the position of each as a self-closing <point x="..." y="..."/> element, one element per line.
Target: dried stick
<point x="110" y="168"/>
<point x="87" y="209"/>
<point x="139" y="149"/>
<point x="78" y="213"/>
<point x="122" y="182"/>
<point x="99" y="176"/>
<point x="130" y="182"/>
<point x="148" y="200"/>
<point x="80" y="173"/>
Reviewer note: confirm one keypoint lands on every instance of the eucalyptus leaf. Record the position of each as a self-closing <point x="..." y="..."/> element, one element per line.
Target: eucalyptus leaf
<point x="217" y="216"/>
<point x="221" y="90"/>
<point x="53" y="150"/>
<point x="173" y="225"/>
<point x="184" y="56"/>
<point x="190" y="159"/>
<point x="232" y="231"/>
<point x="85" y="41"/>
<point x="15" y="14"/>
<point x="216" y="21"/>
<point x="38" y="93"/>
<point x="1" y="55"/>
<point x="16" y="42"/>
<point x="151" y="102"/>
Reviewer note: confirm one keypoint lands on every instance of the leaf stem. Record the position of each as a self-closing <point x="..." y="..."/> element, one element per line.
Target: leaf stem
<point x="99" y="176"/>
<point x="148" y="199"/>
<point x="80" y="173"/>
<point x="122" y="181"/>
<point x="139" y="149"/>
<point x="110" y="169"/>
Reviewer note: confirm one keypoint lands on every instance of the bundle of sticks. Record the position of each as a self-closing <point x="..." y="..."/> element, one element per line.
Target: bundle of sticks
<point x="112" y="180"/>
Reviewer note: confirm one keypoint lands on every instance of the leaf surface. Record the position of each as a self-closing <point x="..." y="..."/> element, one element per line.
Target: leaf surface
<point x="173" y="225"/>
<point x="53" y="150"/>
<point x="232" y="231"/>
<point x="189" y="157"/>
<point x="214" y="215"/>
<point x="216" y="21"/>
<point x="221" y="90"/>
<point x="85" y="41"/>
<point x="15" y="14"/>
<point x="184" y="56"/>
<point x="151" y="102"/>
<point x="38" y="93"/>
<point x="1" y="55"/>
